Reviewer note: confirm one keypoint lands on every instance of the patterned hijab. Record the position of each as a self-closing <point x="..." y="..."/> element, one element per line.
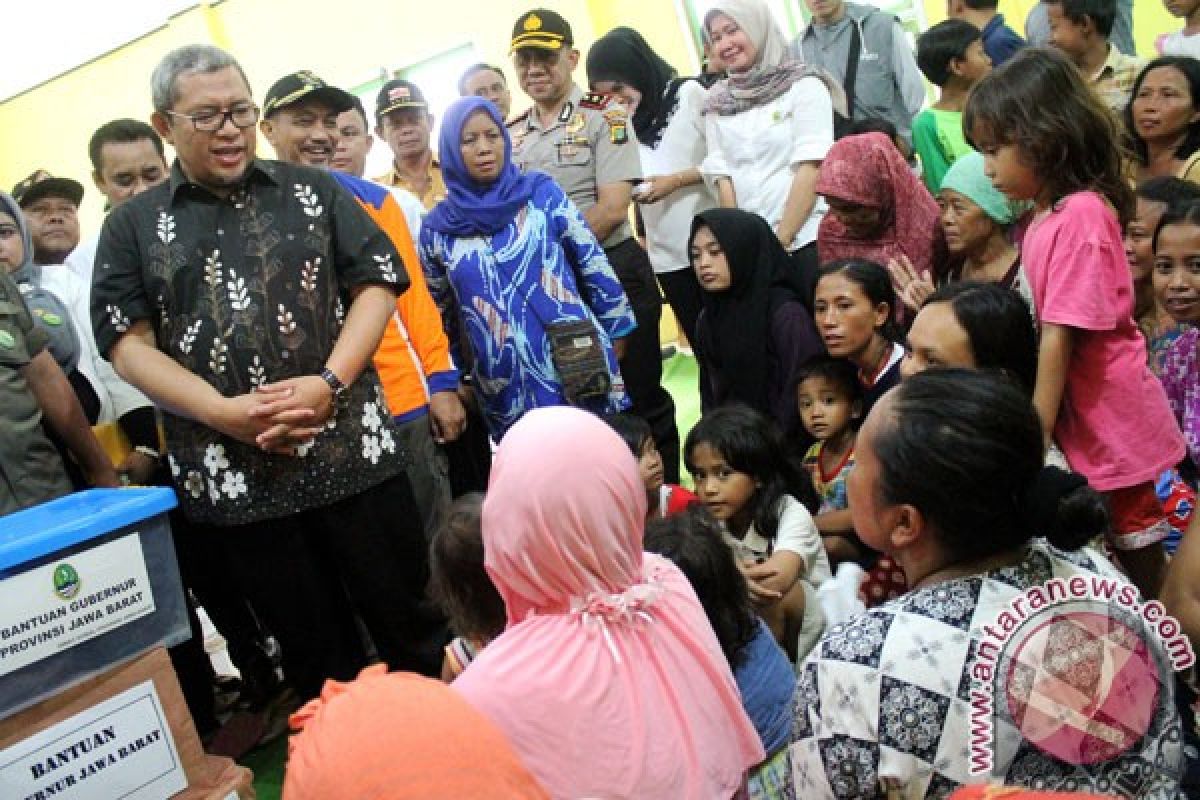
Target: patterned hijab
<point x="868" y="170"/>
<point x="472" y="208"/>
<point x="609" y="680"/>
<point x="774" y="70"/>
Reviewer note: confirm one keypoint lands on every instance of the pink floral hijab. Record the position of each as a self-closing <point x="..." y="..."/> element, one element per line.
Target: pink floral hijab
<point x="868" y="170"/>
<point x="608" y="681"/>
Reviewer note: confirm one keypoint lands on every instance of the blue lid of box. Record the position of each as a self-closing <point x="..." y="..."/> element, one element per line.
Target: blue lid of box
<point x="34" y="532"/>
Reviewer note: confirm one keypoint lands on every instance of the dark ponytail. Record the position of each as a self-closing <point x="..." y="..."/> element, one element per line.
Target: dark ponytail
<point x="1062" y="507"/>
<point x="964" y="447"/>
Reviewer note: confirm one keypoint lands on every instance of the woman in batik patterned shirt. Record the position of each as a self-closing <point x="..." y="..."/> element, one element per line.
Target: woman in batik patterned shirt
<point x="507" y="254"/>
<point x="1010" y="660"/>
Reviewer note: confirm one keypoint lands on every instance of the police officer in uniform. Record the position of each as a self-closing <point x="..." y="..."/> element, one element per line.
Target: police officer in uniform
<point x="585" y="143"/>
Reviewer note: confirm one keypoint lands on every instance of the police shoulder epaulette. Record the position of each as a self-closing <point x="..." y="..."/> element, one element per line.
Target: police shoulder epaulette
<point x="597" y="101"/>
<point x="524" y="115"/>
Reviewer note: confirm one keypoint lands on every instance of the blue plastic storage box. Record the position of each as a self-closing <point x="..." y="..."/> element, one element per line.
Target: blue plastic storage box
<point x="87" y="582"/>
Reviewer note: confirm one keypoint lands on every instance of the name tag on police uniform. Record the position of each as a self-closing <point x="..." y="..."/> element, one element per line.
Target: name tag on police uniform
<point x="573" y="150"/>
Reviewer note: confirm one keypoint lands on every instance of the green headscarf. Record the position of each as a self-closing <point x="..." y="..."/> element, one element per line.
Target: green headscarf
<point x="966" y="177"/>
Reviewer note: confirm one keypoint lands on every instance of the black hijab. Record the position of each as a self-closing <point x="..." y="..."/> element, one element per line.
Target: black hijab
<point x="623" y="56"/>
<point x="738" y="320"/>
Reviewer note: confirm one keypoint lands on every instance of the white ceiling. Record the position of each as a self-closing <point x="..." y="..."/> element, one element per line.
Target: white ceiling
<point x="45" y="39"/>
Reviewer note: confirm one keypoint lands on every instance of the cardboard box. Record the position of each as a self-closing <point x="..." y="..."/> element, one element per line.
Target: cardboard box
<point x="208" y="777"/>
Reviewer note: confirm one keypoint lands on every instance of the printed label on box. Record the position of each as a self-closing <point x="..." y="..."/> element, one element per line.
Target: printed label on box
<point x="119" y="748"/>
<point x="70" y="600"/>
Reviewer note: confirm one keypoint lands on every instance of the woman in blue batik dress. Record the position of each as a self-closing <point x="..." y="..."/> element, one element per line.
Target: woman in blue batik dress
<point x="506" y="254"/>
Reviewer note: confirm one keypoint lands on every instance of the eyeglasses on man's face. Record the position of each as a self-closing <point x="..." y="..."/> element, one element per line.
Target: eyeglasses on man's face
<point x="212" y="120"/>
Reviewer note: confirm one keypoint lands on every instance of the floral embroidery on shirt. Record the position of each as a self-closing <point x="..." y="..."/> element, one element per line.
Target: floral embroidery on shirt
<point x="217" y="356"/>
<point x="189" y="336"/>
<point x="118" y="318"/>
<point x="258" y="373"/>
<point x="308" y="200"/>
<point x="385" y="266"/>
<point x="308" y="275"/>
<point x="214" y="458"/>
<point x="239" y="299"/>
<point x="235" y="484"/>
<point x="166" y="227"/>
<point x="212" y="269"/>
<point x="194" y="484"/>
<point x="244" y="291"/>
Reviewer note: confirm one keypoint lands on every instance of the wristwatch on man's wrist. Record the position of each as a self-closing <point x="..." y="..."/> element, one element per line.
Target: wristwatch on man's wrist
<point x="336" y="386"/>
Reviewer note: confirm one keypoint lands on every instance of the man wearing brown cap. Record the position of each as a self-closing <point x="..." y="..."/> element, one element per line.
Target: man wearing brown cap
<point x="583" y="141"/>
<point x="59" y="300"/>
<point x="51" y="205"/>
<point x="402" y="119"/>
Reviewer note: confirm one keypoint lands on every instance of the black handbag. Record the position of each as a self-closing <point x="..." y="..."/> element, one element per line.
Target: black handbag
<point x="578" y="355"/>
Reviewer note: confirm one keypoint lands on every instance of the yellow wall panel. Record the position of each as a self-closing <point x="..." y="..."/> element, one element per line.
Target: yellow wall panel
<point x="348" y="42"/>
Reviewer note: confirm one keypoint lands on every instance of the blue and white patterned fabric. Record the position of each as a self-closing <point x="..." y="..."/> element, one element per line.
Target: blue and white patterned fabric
<point x="502" y="290"/>
<point x="884" y="705"/>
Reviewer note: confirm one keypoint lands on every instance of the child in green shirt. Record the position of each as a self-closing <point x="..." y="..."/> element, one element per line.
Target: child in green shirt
<point x="951" y="56"/>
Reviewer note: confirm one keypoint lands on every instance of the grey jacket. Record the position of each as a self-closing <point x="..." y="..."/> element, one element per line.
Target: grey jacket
<point x="889" y="84"/>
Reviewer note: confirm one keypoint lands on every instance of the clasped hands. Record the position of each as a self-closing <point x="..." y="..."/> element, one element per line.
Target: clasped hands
<point x="277" y="417"/>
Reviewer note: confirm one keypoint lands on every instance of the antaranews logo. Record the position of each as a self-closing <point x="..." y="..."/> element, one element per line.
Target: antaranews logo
<point x="66" y="581"/>
<point x="1071" y="664"/>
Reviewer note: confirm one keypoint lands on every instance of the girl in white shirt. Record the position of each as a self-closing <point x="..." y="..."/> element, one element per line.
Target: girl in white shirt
<point x="768" y="126"/>
<point x="747" y="482"/>
<point x="667" y="114"/>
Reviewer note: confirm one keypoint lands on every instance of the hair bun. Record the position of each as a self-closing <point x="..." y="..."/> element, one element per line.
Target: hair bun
<point x="1060" y="506"/>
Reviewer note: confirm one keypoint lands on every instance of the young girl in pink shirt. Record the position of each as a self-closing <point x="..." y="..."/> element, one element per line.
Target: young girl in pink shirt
<point x="1046" y="138"/>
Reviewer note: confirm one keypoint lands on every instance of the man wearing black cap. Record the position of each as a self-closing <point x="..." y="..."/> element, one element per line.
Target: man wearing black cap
<point x="402" y="119"/>
<point x="51" y="205"/>
<point x="300" y="120"/>
<point x="583" y="142"/>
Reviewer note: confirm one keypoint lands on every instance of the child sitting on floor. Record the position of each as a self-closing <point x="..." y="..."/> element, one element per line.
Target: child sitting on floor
<point x="829" y="397"/>
<point x="664" y="499"/>
<point x="745" y="480"/>
<point x="765" y="679"/>
<point x="460" y="585"/>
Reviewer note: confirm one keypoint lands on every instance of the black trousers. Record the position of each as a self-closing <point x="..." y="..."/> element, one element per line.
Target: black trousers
<point x="307" y="574"/>
<point x="684" y="294"/>
<point x="642" y="365"/>
<point x="470" y="455"/>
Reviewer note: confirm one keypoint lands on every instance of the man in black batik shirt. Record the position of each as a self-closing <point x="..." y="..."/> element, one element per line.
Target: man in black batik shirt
<point x="246" y="297"/>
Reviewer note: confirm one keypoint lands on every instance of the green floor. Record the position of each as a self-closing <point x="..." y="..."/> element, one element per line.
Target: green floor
<point x="679" y="377"/>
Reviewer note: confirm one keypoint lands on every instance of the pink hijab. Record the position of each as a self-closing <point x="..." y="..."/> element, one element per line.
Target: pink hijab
<point x="608" y="681"/>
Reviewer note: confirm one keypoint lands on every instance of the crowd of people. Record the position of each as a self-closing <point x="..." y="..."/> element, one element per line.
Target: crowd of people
<point x="947" y="362"/>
